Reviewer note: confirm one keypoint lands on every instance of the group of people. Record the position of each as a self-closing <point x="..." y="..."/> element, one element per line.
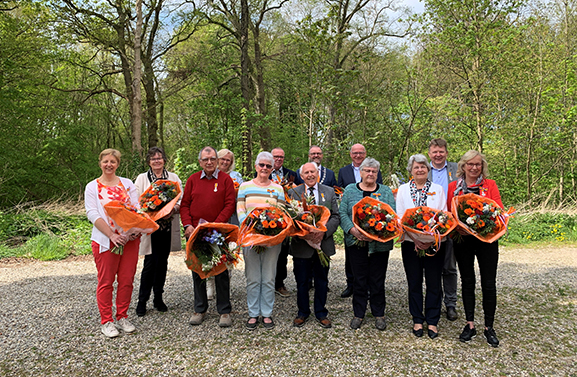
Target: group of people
<point x="210" y="195"/>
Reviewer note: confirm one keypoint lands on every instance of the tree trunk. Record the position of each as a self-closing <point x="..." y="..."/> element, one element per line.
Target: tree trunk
<point x="151" y="103"/>
<point x="246" y="155"/>
<point x="136" y="121"/>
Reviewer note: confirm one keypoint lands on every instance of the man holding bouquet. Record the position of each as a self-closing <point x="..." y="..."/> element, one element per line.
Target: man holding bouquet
<point x="305" y="257"/>
<point x="209" y="195"/>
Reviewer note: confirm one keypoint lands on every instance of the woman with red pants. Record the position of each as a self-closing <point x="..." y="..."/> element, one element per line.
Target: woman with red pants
<point x="112" y="266"/>
<point x="472" y="174"/>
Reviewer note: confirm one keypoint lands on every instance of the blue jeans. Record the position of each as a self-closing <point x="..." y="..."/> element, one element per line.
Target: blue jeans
<point x="260" y="271"/>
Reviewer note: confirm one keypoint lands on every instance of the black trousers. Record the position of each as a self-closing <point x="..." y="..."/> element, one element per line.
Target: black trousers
<point x="432" y="268"/>
<point x="487" y="255"/>
<point x="155" y="265"/>
<point x="370" y="272"/>
<point x="348" y="268"/>
<point x="281" y="263"/>
<point x="222" y="283"/>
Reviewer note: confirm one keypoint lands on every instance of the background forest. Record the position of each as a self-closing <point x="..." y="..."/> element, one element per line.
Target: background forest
<point x="78" y="76"/>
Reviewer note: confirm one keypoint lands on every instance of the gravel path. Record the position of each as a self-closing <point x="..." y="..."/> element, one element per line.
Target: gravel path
<point x="49" y="325"/>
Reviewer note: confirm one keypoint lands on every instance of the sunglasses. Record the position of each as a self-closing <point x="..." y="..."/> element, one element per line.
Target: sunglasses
<point x="265" y="165"/>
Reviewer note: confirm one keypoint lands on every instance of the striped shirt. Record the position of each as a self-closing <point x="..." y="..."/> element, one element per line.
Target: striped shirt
<point x="251" y="196"/>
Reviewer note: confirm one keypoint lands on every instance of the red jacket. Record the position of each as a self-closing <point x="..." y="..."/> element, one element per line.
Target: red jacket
<point x="213" y="200"/>
<point x="487" y="189"/>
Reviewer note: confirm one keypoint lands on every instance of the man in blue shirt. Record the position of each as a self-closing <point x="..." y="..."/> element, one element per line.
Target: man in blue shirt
<point x="442" y="173"/>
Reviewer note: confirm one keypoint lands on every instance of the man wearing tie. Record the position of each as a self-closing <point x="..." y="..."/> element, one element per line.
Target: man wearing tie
<point x="443" y="173"/>
<point x="305" y="258"/>
<point x="347" y="175"/>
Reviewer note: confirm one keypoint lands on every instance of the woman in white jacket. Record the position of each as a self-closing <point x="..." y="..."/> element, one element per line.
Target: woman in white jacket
<point x="112" y="266"/>
<point x="157" y="247"/>
<point x="420" y="191"/>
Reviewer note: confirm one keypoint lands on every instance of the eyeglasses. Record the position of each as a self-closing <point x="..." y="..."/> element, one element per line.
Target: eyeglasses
<point x="316" y="154"/>
<point x="358" y="153"/>
<point x="279" y="157"/>
<point x="371" y="171"/>
<point x="471" y="165"/>
<point x="265" y="165"/>
<point x="207" y="159"/>
<point x="157" y="159"/>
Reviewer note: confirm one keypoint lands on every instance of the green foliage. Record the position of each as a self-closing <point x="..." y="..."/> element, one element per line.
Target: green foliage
<point x="546" y="227"/>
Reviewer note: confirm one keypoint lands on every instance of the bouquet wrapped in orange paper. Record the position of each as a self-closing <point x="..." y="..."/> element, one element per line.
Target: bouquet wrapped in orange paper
<point x="127" y="220"/>
<point x="212" y="248"/>
<point x="480" y="216"/>
<point x="263" y="227"/>
<point x="160" y="198"/>
<point x="376" y="220"/>
<point x="427" y="225"/>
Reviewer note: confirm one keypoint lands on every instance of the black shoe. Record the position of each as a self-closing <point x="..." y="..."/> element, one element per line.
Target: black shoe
<point x="268" y="325"/>
<point x="160" y="305"/>
<point x="432" y="334"/>
<point x="491" y="337"/>
<point x="452" y="313"/>
<point x="380" y="323"/>
<point x="141" y="308"/>
<point x="252" y="326"/>
<point x="418" y="333"/>
<point x="348" y="292"/>
<point x="467" y="334"/>
<point x="356" y="323"/>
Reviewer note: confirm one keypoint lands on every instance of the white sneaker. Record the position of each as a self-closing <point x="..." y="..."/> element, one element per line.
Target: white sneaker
<point x="125" y="325"/>
<point x="210" y="288"/>
<point x="109" y="330"/>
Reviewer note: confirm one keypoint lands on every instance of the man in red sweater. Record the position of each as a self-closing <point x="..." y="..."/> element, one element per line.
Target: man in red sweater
<point x="209" y="195"/>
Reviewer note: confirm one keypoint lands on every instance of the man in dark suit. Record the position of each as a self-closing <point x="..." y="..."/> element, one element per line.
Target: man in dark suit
<point x="305" y="258"/>
<point x="279" y="173"/>
<point x="443" y="173"/>
<point x="326" y="175"/>
<point x="347" y="175"/>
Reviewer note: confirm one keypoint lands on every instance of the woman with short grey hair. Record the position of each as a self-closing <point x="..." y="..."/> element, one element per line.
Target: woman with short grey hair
<point x="369" y="262"/>
<point x="260" y="268"/>
<point x="421" y="191"/>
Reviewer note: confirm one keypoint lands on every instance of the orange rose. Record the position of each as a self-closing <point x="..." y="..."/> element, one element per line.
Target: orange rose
<point x="379" y="226"/>
<point x="265" y="224"/>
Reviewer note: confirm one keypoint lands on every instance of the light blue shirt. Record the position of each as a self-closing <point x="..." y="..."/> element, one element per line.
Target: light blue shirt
<point x="441" y="177"/>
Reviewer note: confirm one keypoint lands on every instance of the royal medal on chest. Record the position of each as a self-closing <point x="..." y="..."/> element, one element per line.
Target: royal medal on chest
<point x="216" y="187"/>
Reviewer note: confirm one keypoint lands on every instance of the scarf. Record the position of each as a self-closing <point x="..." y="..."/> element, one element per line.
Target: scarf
<point x="463" y="189"/>
<point x="153" y="178"/>
<point x="419" y="197"/>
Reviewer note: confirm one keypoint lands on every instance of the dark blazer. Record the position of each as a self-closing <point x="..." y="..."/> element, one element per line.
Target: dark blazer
<point x="451" y="172"/>
<point x="347" y="176"/>
<point x="326" y="177"/>
<point x="299" y="247"/>
<point x="287" y="173"/>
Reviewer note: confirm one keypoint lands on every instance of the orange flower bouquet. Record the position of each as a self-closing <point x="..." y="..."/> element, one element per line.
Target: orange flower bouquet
<point x="160" y="198"/>
<point x="309" y="219"/>
<point x="427" y="225"/>
<point x="480" y="216"/>
<point x="127" y="220"/>
<point x="264" y="226"/>
<point x="212" y="248"/>
<point x="376" y="220"/>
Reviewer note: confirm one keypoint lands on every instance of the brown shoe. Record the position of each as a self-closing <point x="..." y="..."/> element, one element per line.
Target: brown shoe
<point x="283" y="292"/>
<point x="299" y="321"/>
<point x="325" y="322"/>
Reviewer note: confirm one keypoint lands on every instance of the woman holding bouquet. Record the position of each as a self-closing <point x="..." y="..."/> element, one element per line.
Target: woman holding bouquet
<point x="260" y="268"/>
<point x="157" y="247"/>
<point x="472" y="172"/>
<point x="112" y="266"/>
<point x="420" y="191"/>
<point x="369" y="259"/>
